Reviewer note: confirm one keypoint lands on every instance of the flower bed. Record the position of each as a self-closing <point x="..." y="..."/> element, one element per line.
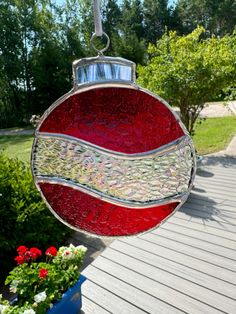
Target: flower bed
<point x="40" y="284"/>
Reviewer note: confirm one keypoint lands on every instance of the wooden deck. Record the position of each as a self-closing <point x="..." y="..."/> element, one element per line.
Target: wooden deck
<point x="186" y="266"/>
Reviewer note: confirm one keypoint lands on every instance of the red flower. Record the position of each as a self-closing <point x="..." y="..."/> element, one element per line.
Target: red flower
<point x="27" y="256"/>
<point x="51" y="251"/>
<point x="43" y="273"/>
<point x="20" y="260"/>
<point x="22" y="249"/>
<point x="35" y="252"/>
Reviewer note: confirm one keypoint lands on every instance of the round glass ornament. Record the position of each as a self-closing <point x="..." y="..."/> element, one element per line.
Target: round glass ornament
<point x="109" y="157"/>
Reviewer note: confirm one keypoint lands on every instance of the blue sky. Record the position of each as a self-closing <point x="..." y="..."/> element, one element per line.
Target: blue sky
<point x="171" y="2"/>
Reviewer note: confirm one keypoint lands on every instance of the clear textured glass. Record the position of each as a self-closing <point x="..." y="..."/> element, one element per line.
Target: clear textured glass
<point x="135" y="180"/>
<point x="101" y="71"/>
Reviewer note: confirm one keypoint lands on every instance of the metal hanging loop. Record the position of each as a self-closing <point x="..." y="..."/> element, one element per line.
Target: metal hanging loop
<point x="98" y="28"/>
<point x="100" y="51"/>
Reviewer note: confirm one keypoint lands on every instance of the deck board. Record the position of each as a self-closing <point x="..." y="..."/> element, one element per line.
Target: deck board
<point x="188" y="265"/>
<point x="172" y="284"/>
<point x="173" y="267"/>
<point x="215" y="223"/>
<point x="89" y="306"/>
<point x="198" y="238"/>
<point x="193" y="251"/>
<point x="217" y="235"/>
<point x="182" y="259"/>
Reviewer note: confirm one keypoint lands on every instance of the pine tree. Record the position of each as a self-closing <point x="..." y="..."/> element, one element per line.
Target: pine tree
<point x="157" y="17"/>
<point x="129" y="43"/>
<point x="217" y="17"/>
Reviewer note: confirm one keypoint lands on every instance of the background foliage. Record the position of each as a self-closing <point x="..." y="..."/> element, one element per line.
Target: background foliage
<point x="24" y="217"/>
<point x="188" y="70"/>
<point x="40" y="39"/>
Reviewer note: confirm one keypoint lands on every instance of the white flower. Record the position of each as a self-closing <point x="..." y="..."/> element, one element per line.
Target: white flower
<point x="67" y="254"/>
<point x="2" y="308"/>
<point x="40" y="297"/>
<point x="30" y="311"/>
<point x="82" y="248"/>
<point x="13" y="286"/>
<point x="13" y="289"/>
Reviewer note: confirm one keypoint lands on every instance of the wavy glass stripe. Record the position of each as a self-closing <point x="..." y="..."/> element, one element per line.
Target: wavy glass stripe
<point x="137" y="180"/>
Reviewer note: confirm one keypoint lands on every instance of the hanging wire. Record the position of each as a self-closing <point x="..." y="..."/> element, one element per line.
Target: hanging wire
<point x="98" y="27"/>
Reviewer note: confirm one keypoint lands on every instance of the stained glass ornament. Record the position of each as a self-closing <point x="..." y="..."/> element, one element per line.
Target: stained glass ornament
<point x="109" y="157"/>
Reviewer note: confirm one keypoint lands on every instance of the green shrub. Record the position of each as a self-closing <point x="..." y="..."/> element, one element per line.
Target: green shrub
<point x="24" y="218"/>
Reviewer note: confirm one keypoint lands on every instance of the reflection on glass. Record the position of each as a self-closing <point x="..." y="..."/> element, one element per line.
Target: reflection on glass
<point x="103" y="72"/>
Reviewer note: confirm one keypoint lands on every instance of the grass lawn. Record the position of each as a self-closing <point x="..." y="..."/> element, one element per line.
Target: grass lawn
<point x="214" y="134"/>
<point x="17" y="146"/>
<point x="29" y="127"/>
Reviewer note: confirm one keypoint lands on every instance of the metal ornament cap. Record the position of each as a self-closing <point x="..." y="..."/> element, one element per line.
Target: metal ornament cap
<point x="110" y="158"/>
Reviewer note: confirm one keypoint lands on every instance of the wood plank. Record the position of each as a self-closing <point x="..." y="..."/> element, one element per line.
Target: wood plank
<point x="217" y="177"/>
<point x="204" y="201"/>
<point x="216" y="174"/>
<point x="217" y="181"/>
<point x="200" y="199"/>
<point x="206" y="212"/>
<point x="221" y="166"/>
<point x="204" y="190"/>
<point x="122" y="283"/>
<point x="189" y="239"/>
<point x="211" y="221"/>
<point x="89" y="306"/>
<point x="224" y="179"/>
<point x="109" y="301"/>
<point x="195" y="252"/>
<point x="199" y="298"/>
<point x="180" y="303"/>
<point x="215" y="223"/>
<point x="220" y="197"/>
<point x="202" y="227"/>
<point x="217" y="170"/>
<point x="210" y="213"/>
<point x="174" y="268"/>
<point x="223" y="185"/>
<point x="210" y="209"/>
<point x="222" y="170"/>
<point x="227" y="240"/>
<point x="207" y="188"/>
<point x="182" y="259"/>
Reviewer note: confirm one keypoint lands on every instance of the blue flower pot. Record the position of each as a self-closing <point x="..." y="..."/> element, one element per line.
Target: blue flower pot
<point x="71" y="301"/>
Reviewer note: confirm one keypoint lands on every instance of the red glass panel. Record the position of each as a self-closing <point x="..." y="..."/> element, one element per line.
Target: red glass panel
<point x="98" y="217"/>
<point x="120" y="119"/>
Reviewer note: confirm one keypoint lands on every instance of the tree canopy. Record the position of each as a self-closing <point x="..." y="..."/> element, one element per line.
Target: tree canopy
<point x="40" y="39"/>
<point x="217" y="17"/>
<point x="188" y="70"/>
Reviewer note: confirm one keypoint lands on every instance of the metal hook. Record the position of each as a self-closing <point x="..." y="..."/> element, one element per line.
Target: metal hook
<point x="100" y="51"/>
